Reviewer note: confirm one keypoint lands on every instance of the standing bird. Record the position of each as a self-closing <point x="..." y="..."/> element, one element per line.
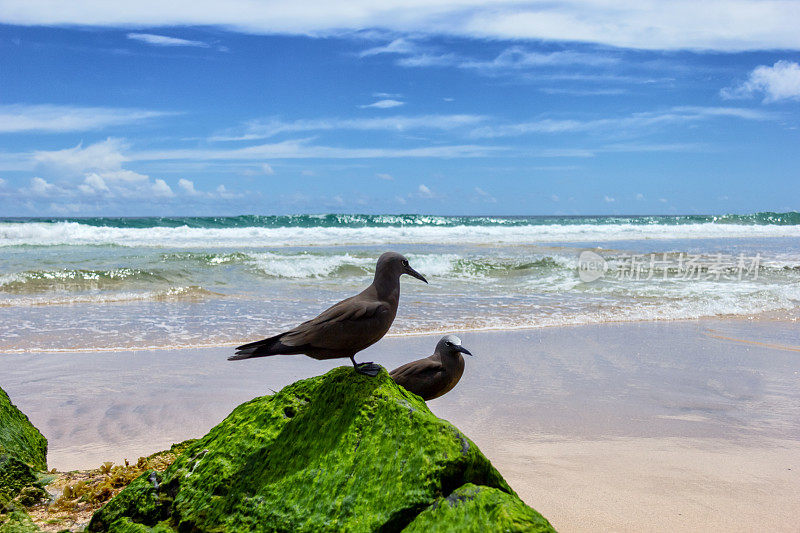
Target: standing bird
<point x="347" y="327"/>
<point x="435" y="375"/>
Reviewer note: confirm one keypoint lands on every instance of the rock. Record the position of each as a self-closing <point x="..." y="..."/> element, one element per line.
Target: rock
<point x="14" y="476"/>
<point x="474" y="508"/>
<point x="23" y="451"/>
<point x="17" y="522"/>
<point x="341" y="451"/>
<point x="19" y="438"/>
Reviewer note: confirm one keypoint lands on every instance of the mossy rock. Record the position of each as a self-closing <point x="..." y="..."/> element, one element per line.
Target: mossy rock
<point x="478" y="509"/>
<point x="338" y="452"/>
<point x="14" y="476"/>
<point x="17" y="522"/>
<point x="18" y="437"/>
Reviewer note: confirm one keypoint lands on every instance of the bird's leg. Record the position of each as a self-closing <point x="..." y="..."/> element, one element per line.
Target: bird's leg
<point x="368" y="369"/>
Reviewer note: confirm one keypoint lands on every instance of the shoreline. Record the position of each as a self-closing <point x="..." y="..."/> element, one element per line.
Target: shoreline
<point x="625" y="426"/>
<point x="779" y="316"/>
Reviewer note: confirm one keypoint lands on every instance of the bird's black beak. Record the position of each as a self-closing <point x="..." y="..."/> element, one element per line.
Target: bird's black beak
<point x="462" y="350"/>
<point x="411" y="272"/>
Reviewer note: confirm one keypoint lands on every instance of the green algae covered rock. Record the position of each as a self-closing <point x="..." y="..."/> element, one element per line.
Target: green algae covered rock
<point x="23" y="451"/>
<point x="18" y="437"/>
<point x="14" y="476"/>
<point x="17" y="522"/>
<point x="473" y="508"/>
<point x="338" y="452"/>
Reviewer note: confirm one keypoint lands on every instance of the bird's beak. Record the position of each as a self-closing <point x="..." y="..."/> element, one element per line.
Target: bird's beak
<point x="463" y="350"/>
<point x="411" y="272"/>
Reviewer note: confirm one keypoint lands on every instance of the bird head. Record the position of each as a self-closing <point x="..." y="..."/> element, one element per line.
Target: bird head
<point x="394" y="264"/>
<point x="450" y="345"/>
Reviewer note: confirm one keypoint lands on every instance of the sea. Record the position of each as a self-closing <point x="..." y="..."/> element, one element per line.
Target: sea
<point x="89" y="284"/>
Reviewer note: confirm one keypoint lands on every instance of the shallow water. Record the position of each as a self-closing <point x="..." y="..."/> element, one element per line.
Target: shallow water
<point x="97" y="284"/>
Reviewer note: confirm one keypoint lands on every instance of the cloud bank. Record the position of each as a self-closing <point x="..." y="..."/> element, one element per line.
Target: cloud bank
<point x="727" y="25"/>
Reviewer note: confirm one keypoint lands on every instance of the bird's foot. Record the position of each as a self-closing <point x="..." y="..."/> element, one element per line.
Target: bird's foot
<point x="368" y="369"/>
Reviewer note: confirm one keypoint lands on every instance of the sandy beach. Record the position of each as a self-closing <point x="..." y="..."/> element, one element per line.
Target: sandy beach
<point x="651" y="426"/>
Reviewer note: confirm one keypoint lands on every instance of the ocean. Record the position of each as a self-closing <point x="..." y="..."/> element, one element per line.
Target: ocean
<point x="86" y="284"/>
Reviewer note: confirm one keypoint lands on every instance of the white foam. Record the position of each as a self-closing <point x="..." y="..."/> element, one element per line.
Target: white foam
<point x="173" y="293"/>
<point x="306" y="265"/>
<point x="73" y="233"/>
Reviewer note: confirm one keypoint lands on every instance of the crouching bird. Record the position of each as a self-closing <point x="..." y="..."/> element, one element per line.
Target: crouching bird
<point x="435" y="375"/>
<point x="346" y="328"/>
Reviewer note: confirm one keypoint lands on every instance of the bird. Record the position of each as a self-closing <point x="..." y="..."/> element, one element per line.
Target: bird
<point x="436" y="375"/>
<point x="347" y="327"/>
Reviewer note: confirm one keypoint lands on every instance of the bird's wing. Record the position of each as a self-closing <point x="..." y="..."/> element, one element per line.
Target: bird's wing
<point x="417" y="371"/>
<point x="351" y="319"/>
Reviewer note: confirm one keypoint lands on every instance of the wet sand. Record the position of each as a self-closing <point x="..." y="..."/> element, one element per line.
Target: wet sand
<point x="617" y="427"/>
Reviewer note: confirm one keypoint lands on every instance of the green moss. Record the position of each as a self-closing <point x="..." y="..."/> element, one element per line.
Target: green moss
<point x="139" y="502"/>
<point x="17" y="522"/>
<point x="19" y="437"/>
<point x="479" y="509"/>
<point x="14" y="476"/>
<point x="338" y="452"/>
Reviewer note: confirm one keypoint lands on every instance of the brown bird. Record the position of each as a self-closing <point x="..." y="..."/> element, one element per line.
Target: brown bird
<point x="347" y="327"/>
<point x="435" y="375"/>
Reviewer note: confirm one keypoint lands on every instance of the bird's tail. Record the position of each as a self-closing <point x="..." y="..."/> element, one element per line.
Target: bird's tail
<point x="262" y="348"/>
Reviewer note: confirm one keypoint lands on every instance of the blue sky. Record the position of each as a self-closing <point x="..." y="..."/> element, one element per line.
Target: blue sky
<point x="582" y="107"/>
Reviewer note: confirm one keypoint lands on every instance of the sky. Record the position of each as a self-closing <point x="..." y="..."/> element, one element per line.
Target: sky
<point x="453" y="107"/>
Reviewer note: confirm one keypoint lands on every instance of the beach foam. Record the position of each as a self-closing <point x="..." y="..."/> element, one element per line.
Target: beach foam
<point x="78" y="234"/>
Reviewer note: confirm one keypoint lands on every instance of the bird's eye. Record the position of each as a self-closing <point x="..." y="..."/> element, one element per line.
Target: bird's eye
<point x="448" y="343"/>
<point x="405" y="263"/>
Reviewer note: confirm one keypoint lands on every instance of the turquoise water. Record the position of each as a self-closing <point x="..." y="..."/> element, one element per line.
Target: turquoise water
<point x="356" y="221"/>
<point x="108" y="283"/>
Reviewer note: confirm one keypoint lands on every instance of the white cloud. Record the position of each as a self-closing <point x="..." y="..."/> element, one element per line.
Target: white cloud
<point x="517" y="57"/>
<point x="94" y="170"/>
<point x="781" y="81"/>
<point x="267" y="169"/>
<point x="398" y="46"/>
<point x="17" y="118"/>
<point x="262" y="129"/>
<point x="225" y="194"/>
<point x="160" y="188"/>
<point x="301" y="149"/>
<point x="187" y="186"/>
<point x="430" y="60"/>
<point x="424" y="191"/>
<point x="105" y="155"/>
<point x="383" y="104"/>
<point x="384" y="176"/>
<point x="639" y="196"/>
<point x="41" y="187"/>
<point x="727" y="25"/>
<point x="93" y="184"/>
<point x="554" y="197"/>
<point x="583" y="92"/>
<point x="649" y="119"/>
<point x="512" y="59"/>
<point x="608" y="199"/>
<point x="163" y="40"/>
